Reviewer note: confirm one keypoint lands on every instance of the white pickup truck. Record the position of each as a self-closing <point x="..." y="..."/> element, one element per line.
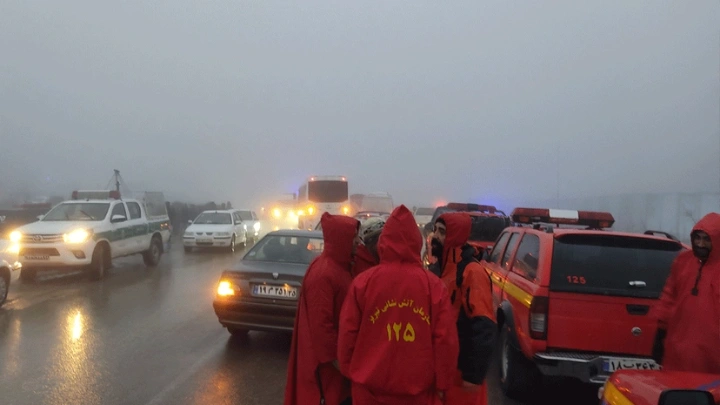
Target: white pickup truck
<point x="92" y="229"/>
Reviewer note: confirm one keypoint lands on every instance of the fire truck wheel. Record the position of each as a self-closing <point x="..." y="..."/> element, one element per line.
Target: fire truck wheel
<point x="518" y="376"/>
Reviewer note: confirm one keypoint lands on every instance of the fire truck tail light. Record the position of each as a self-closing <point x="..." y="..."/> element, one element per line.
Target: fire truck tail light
<point x="591" y="219"/>
<point x="539" y="318"/>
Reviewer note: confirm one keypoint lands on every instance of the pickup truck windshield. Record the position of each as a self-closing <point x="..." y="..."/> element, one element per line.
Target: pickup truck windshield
<point x="213" y="218"/>
<point x="71" y="211"/>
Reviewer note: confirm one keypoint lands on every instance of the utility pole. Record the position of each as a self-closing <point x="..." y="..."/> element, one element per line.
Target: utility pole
<point x="117" y="180"/>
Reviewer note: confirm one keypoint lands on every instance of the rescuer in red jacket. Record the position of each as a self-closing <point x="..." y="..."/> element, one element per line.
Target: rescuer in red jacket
<point x="688" y="337"/>
<point x="313" y="369"/>
<point x="398" y="342"/>
<point x="470" y="290"/>
<point x="366" y="255"/>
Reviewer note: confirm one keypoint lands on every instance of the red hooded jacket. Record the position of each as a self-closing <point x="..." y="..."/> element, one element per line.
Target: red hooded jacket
<point x="363" y="260"/>
<point x="398" y="341"/>
<point x="470" y="290"/>
<point x="693" y="321"/>
<point x="315" y="337"/>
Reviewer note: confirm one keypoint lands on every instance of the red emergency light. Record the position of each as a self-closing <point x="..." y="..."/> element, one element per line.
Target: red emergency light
<point x="592" y="219"/>
<point x="467" y="207"/>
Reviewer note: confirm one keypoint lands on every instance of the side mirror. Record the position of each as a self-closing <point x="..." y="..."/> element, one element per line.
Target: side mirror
<point x="40" y="217"/>
<point x="686" y="397"/>
<point x="118" y="218"/>
<point x="190" y="221"/>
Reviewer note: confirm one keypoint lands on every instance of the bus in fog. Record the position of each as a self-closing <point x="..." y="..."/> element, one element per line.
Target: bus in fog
<point x="321" y="194"/>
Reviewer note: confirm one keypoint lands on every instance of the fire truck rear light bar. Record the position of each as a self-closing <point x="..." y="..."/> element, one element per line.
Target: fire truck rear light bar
<point x="592" y="219"/>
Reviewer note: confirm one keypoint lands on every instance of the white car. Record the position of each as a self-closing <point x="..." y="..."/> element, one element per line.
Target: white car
<point x="219" y="229"/>
<point x="9" y="267"/>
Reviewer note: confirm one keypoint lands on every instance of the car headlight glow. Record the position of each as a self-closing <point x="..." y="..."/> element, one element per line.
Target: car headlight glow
<point x="311" y="210"/>
<point x="225" y="289"/>
<point x="346" y="210"/>
<point x="277" y="213"/>
<point x="15" y="236"/>
<point x="76" y="236"/>
<point x="13" y="249"/>
<point x="256" y="226"/>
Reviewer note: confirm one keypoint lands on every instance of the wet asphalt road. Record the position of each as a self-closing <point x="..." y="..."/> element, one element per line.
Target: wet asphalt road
<point x="149" y="337"/>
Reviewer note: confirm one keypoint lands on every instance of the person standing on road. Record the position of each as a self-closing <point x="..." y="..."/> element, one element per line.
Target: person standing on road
<point x="366" y="255"/>
<point x="688" y="336"/>
<point x="470" y="290"/>
<point x="398" y="342"/>
<point x="313" y="370"/>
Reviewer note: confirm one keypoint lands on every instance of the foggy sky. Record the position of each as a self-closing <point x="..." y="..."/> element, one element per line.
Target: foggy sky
<point x="462" y="100"/>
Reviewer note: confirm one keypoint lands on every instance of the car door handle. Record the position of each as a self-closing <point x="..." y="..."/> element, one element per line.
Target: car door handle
<point x="637" y="309"/>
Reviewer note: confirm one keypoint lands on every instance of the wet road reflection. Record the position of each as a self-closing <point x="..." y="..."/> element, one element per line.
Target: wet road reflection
<point x="139" y="337"/>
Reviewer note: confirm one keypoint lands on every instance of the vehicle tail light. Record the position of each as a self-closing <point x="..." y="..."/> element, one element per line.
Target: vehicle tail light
<point x="225" y="289"/>
<point x="539" y="318"/>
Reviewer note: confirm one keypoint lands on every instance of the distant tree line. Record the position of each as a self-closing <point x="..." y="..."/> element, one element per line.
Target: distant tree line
<point x="180" y="212"/>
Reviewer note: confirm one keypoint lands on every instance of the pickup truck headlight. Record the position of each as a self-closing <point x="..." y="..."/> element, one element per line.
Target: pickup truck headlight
<point x="15" y="236"/>
<point x="77" y="236"/>
<point x="13" y="249"/>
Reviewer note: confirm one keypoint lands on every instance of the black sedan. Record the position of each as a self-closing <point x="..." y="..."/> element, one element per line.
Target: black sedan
<point x="261" y="291"/>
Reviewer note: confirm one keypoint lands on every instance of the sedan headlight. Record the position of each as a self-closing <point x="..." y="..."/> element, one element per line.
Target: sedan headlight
<point x="15" y="236"/>
<point x="77" y="236"/>
<point x="189" y="234"/>
<point x="256" y="226"/>
<point x="225" y="289"/>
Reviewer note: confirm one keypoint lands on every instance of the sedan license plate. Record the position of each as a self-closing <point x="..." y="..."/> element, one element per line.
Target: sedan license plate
<point x="614" y="364"/>
<point x="204" y="240"/>
<point x="275" y="291"/>
<point x="36" y="257"/>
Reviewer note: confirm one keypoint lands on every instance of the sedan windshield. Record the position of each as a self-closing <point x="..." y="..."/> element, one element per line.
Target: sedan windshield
<point x="78" y="212"/>
<point x="213" y="218"/>
<point x="286" y="249"/>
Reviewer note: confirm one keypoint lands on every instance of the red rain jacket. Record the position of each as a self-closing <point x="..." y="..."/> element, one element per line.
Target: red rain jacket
<point x="363" y="260"/>
<point x="398" y="341"/>
<point x="315" y="336"/>
<point x="472" y="309"/>
<point x="693" y="321"/>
